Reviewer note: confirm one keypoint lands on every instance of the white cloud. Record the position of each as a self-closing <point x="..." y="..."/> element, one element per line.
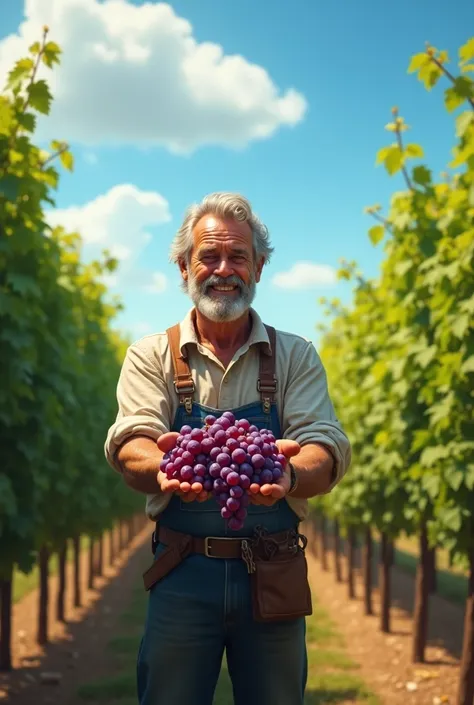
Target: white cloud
<point x="90" y="158"/>
<point x="158" y="285"/>
<point x="137" y="75"/>
<point x="142" y="328"/>
<point x="305" y="275"/>
<point x="117" y="221"/>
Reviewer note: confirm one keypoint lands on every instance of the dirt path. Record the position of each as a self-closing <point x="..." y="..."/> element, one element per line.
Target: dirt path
<point x="80" y="650"/>
<point x="77" y="651"/>
<point x="385" y="658"/>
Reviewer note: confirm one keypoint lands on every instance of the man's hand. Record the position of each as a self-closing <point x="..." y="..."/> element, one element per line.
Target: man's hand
<point x="185" y="490"/>
<point x="271" y="493"/>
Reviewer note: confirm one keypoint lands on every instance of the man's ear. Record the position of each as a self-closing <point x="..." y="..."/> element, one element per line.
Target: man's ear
<point x="183" y="268"/>
<point x="258" y="269"/>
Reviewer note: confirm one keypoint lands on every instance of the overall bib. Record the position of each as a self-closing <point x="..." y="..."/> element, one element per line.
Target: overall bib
<point x="203" y="606"/>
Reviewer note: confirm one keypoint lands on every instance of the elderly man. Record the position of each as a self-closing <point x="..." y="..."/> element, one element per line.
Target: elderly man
<point x="209" y="595"/>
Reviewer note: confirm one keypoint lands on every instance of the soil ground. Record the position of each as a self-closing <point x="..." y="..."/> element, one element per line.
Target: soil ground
<point x="91" y="658"/>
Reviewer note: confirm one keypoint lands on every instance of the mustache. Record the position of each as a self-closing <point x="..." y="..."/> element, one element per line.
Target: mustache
<point x="214" y="280"/>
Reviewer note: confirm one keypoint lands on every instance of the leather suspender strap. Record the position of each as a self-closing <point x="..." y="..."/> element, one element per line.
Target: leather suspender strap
<point x="267" y="381"/>
<point x="183" y="381"/>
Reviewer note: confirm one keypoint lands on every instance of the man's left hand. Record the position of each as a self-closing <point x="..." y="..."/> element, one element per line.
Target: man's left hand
<point x="271" y="493"/>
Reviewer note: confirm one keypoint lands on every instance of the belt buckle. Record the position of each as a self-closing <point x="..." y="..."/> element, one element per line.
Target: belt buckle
<point x="214" y="538"/>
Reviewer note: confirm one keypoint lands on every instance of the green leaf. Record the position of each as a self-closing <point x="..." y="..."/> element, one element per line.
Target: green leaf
<point x="466" y="52"/>
<point x="67" y="160"/>
<point x="463" y="121"/>
<point x="40" y="97"/>
<point x="10" y="187"/>
<point x="27" y="121"/>
<point x="22" y="283"/>
<point x="51" y="54"/>
<point x="468" y="365"/>
<point x="413" y="151"/>
<point x="394" y="160"/>
<point x="421" y="175"/>
<point x="452" y="99"/>
<point x="430" y="74"/>
<point x="22" y="70"/>
<point x="6" y="115"/>
<point x="463" y="89"/>
<point x="427" y="356"/>
<point x="432" y="484"/>
<point x="417" y="61"/>
<point x="376" y="234"/>
<point x="35" y="48"/>
<point x="461" y="325"/>
<point x="431" y="456"/>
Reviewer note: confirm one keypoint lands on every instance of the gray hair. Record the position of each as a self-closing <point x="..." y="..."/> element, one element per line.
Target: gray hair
<point x="223" y="205"/>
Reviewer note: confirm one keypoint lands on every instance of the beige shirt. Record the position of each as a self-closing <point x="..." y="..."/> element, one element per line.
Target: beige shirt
<point x="147" y="400"/>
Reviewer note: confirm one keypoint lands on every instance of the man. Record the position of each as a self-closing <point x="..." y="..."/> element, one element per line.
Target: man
<point x="223" y="358"/>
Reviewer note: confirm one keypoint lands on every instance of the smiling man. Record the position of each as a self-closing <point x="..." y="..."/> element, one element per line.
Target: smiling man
<point x="212" y="590"/>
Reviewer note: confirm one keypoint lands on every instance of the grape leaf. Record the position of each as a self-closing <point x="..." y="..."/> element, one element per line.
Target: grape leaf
<point x="40" y="97"/>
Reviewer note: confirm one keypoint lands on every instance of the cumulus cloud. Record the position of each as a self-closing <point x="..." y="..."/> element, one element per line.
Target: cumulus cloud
<point x="135" y="74"/>
<point x="118" y="221"/>
<point x="305" y="275"/>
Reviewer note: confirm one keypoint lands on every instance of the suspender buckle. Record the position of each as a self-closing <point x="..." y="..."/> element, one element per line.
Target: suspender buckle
<point x="184" y="387"/>
<point x="266" y="387"/>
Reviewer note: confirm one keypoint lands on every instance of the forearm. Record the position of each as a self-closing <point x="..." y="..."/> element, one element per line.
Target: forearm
<point x="314" y="466"/>
<point x="139" y="459"/>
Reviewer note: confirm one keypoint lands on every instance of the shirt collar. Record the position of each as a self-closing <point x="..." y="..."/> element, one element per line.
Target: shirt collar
<point x="258" y="334"/>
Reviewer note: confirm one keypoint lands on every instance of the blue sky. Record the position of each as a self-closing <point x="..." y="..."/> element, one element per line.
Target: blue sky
<point x="309" y="182"/>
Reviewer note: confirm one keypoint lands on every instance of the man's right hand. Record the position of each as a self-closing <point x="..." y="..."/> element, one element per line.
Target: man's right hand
<point x="166" y="443"/>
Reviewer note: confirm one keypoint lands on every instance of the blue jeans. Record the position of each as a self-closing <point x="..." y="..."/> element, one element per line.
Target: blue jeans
<point x="204" y="607"/>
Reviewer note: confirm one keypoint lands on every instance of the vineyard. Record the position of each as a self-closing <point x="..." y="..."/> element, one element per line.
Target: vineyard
<point x="400" y="363"/>
<point x="60" y="361"/>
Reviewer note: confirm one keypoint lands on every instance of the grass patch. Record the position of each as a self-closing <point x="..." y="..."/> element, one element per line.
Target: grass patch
<point x="23" y="584"/>
<point x="329" y="680"/>
<point x="451" y="586"/>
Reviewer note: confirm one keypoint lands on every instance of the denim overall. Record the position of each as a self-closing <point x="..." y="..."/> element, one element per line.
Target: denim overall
<point x="203" y="607"/>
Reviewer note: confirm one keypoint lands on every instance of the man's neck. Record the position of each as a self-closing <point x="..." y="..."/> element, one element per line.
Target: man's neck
<point x="223" y="339"/>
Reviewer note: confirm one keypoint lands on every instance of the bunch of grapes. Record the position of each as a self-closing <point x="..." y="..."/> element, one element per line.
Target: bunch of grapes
<point x="228" y="457"/>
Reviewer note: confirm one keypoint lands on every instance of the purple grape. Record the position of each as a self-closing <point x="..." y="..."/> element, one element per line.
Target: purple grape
<point x="197" y="480"/>
<point x="244" y="445"/>
<point x="185" y="430"/>
<point x="236" y="491"/>
<point x="223" y="497"/>
<point x="229" y="415"/>
<point x="194" y="447"/>
<point x="232" y="444"/>
<point x="219" y="485"/>
<point x="224" y="422"/>
<point x="244" y="482"/>
<point x="179" y="440"/>
<point x="220" y="437"/>
<point x="233" y="478"/>
<point x="186" y="473"/>
<point x="197" y="434"/>
<point x="252" y="429"/>
<point x="239" y="456"/>
<point x="277" y="474"/>
<point x="233" y="504"/>
<point x="266" y="477"/>
<point x="277" y="465"/>
<point x="233" y="432"/>
<point x="215" y="470"/>
<point x="226" y="513"/>
<point x="214" y="453"/>
<point x="235" y="524"/>
<point x="178" y="463"/>
<point x="241" y="513"/>
<point x="169" y="471"/>
<point x="207" y="444"/>
<point x="234" y="467"/>
<point x="281" y="459"/>
<point x="164" y="464"/>
<point x="207" y="485"/>
<point x="243" y="423"/>
<point x="209" y="420"/>
<point x="266" y="450"/>
<point x="246" y="469"/>
<point x="269" y="465"/>
<point x="223" y="459"/>
<point x="255" y="479"/>
<point x="253" y="449"/>
<point x="201" y="458"/>
<point x="225" y="472"/>
<point x="258" y="441"/>
<point x="258" y="461"/>
<point x="200" y="469"/>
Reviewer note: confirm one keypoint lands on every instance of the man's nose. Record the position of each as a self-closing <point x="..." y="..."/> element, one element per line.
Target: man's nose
<point x="224" y="269"/>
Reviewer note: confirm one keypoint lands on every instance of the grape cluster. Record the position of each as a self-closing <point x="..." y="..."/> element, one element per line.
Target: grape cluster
<point x="228" y="457"/>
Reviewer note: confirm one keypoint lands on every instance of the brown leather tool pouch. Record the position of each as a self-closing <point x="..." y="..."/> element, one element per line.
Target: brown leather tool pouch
<point x="166" y="561"/>
<point x="279" y="578"/>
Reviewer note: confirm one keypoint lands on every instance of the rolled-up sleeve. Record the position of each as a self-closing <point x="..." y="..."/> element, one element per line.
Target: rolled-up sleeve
<point x="143" y="403"/>
<point x="308" y="413"/>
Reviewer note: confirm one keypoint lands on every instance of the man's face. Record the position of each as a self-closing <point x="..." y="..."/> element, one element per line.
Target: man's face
<point x="221" y="274"/>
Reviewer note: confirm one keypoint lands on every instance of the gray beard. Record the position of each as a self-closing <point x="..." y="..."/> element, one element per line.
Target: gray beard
<point x="222" y="309"/>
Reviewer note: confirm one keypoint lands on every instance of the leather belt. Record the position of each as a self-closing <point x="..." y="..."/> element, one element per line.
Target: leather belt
<point x="210" y="546"/>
